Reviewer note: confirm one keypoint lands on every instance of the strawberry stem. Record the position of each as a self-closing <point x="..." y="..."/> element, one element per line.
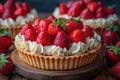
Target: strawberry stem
<point x="3" y="32"/>
<point x="115" y="49"/>
<point x="3" y="60"/>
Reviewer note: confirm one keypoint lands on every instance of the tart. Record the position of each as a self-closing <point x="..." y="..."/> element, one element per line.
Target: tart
<point x="59" y="44"/>
<point x="92" y="13"/>
<point x="13" y="15"/>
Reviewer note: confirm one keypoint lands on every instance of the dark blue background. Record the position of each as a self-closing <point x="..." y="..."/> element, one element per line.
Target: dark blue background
<point x="49" y="5"/>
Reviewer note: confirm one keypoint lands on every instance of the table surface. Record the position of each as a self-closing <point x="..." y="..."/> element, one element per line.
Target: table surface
<point x="15" y="76"/>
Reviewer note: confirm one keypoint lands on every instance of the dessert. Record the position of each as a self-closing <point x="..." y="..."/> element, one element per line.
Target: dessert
<point x="13" y="15"/>
<point x="92" y="13"/>
<point x="58" y="44"/>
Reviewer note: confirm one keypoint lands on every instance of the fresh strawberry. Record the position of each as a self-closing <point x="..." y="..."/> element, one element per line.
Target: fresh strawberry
<point x="108" y="37"/>
<point x="30" y="34"/>
<point x="109" y="11"/>
<point x="77" y="35"/>
<point x="98" y="78"/>
<point x="92" y="6"/>
<point x="5" y="41"/>
<point x="6" y="65"/>
<point x="36" y="23"/>
<point x="56" y="26"/>
<point x="88" y="1"/>
<point x="115" y="71"/>
<point x="25" y="27"/>
<point x="88" y="31"/>
<point x="75" y="10"/>
<point x="19" y="12"/>
<point x="43" y="25"/>
<point x="100" y="13"/>
<point x="26" y="7"/>
<point x="44" y="38"/>
<point x="100" y="4"/>
<point x="69" y="4"/>
<point x="86" y="14"/>
<point x="63" y="8"/>
<point x="112" y="55"/>
<point x="18" y="5"/>
<point x="73" y="24"/>
<point x="51" y="17"/>
<point x="62" y="40"/>
<point x="2" y="8"/>
<point x="118" y="44"/>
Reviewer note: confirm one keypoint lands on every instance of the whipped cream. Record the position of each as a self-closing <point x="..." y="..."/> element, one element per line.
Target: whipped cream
<point x="76" y="48"/>
<point x="99" y="22"/>
<point x="20" y="20"/>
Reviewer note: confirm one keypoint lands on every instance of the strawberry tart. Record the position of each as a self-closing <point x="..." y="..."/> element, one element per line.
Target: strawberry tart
<point x="58" y="44"/>
<point x="13" y="15"/>
<point x="92" y="13"/>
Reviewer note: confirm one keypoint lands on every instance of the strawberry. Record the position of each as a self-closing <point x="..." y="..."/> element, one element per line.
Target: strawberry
<point x="92" y="6"/>
<point x="98" y="78"/>
<point x="6" y="65"/>
<point x="30" y="34"/>
<point x="18" y="5"/>
<point x="5" y="41"/>
<point x="100" y="4"/>
<point x="2" y="8"/>
<point x="86" y="14"/>
<point x="115" y="71"/>
<point x="88" y="31"/>
<point x="26" y="7"/>
<point x="88" y="1"/>
<point x="43" y="25"/>
<point x="100" y="13"/>
<point x="56" y="26"/>
<point x="36" y="23"/>
<point x="62" y="40"/>
<point x="44" y="38"/>
<point x="73" y="24"/>
<point x="77" y="36"/>
<point x="75" y="10"/>
<point x="109" y="11"/>
<point x="51" y="17"/>
<point x="19" y="12"/>
<point x="69" y="4"/>
<point x="63" y="8"/>
<point x="112" y="55"/>
<point x="118" y="44"/>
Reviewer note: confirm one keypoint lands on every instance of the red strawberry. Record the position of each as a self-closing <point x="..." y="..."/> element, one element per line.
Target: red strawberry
<point x="5" y="41"/>
<point x="18" y="5"/>
<point x="100" y="13"/>
<point x="63" y="8"/>
<point x="112" y="55"/>
<point x="108" y="37"/>
<point x="118" y="44"/>
<point x="6" y="65"/>
<point x="30" y="34"/>
<point x="69" y="4"/>
<point x="75" y="10"/>
<point x="86" y="14"/>
<point x="44" y="38"/>
<point x="26" y="7"/>
<point x="25" y="28"/>
<point x="88" y="1"/>
<point x="115" y="71"/>
<point x="92" y="6"/>
<point x="98" y="78"/>
<point x="88" y="31"/>
<point x="109" y="11"/>
<point x="2" y="8"/>
<point x="81" y="3"/>
<point x="62" y="40"/>
<point x="71" y="25"/>
<point x="77" y="35"/>
<point x="36" y="23"/>
<point x="100" y="4"/>
<point x="43" y="25"/>
<point x="51" y="17"/>
<point x="19" y="12"/>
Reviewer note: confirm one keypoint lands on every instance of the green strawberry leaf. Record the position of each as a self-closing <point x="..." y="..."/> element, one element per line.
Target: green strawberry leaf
<point x="115" y="49"/>
<point x="3" y="32"/>
<point x="76" y="19"/>
<point x="3" y="60"/>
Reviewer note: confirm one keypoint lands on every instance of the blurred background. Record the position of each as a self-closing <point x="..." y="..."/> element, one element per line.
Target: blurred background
<point x="47" y="6"/>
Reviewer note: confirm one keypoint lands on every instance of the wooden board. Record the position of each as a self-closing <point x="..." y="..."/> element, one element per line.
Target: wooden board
<point x="34" y="73"/>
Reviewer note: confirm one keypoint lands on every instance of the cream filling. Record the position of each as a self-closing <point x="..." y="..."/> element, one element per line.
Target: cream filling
<point x="100" y="22"/>
<point x="20" y="20"/>
<point x="76" y="48"/>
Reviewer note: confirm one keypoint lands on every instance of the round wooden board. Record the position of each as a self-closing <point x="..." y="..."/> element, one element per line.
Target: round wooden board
<point x="77" y="74"/>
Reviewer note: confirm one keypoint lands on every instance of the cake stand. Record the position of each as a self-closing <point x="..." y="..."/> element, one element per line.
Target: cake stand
<point x="82" y="73"/>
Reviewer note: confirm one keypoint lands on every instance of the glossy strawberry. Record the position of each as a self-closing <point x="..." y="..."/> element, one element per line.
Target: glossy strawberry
<point x="44" y="38"/>
<point x="77" y="35"/>
<point x="26" y="7"/>
<point x="6" y="65"/>
<point x="18" y="5"/>
<point x="5" y="41"/>
<point x="43" y="25"/>
<point x="19" y="12"/>
<point x="62" y="40"/>
<point x="51" y="17"/>
<point x="112" y="55"/>
<point x="63" y="8"/>
<point x="100" y="13"/>
<point x="73" y="24"/>
<point x="30" y="34"/>
<point x="109" y="11"/>
<point x="36" y="23"/>
<point x="92" y="6"/>
<point x="86" y="14"/>
<point x="88" y="31"/>
<point x="2" y="9"/>
<point x="69" y="4"/>
<point x="118" y="44"/>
